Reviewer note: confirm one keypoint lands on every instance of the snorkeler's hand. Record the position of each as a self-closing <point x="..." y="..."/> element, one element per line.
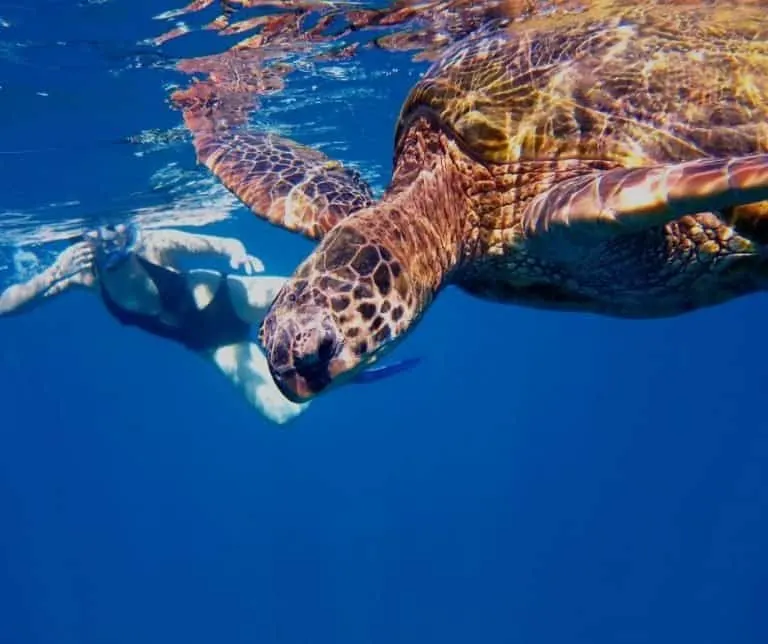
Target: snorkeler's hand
<point x="239" y="257"/>
<point x="76" y="259"/>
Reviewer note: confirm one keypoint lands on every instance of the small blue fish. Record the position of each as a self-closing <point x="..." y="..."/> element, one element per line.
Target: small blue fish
<point x="374" y="374"/>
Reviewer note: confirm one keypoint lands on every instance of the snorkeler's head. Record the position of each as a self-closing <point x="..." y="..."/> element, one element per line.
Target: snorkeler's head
<point x="112" y="244"/>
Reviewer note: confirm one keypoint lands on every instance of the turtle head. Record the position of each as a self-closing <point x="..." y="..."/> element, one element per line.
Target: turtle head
<point x="346" y="304"/>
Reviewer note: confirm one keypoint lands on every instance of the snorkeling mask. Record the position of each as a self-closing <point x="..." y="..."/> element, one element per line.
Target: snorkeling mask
<point x="113" y="244"/>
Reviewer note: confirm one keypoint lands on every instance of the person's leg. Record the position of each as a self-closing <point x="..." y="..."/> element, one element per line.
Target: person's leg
<point x="245" y="366"/>
<point x="251" y="296"/>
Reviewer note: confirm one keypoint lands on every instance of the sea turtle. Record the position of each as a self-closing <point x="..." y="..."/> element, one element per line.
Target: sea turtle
<point x="607" y="157"/>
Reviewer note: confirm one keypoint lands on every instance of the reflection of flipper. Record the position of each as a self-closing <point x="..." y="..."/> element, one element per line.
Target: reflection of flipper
<point x="374" y="374"/>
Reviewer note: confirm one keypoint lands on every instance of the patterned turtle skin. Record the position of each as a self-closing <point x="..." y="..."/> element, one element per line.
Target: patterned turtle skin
<point x="607" y="157"/>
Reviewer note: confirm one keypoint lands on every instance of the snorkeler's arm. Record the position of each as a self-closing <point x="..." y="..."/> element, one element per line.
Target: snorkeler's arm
<point x="71" y="268"/>
<point x="166" y="245"/>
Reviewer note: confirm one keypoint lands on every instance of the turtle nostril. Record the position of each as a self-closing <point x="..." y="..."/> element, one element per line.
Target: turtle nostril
<point x="327" y="349"/>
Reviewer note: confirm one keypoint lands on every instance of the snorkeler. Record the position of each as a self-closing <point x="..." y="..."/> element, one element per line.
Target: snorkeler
<point x="210" y="313"/>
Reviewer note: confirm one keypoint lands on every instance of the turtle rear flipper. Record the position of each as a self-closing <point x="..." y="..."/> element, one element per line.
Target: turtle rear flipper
<point x="630" y="199"/>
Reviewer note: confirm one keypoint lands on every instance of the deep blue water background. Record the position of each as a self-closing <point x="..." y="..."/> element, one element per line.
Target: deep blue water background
<point x="540" y="478"/>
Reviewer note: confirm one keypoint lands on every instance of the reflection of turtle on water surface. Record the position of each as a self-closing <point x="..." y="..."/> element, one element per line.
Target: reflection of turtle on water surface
<point x="613" y="160"/>
<point x="426" y="26"/>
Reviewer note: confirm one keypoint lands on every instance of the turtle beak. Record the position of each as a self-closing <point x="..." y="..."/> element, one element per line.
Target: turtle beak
<point x="304" y="359"/>
<point x="305" y="382"/>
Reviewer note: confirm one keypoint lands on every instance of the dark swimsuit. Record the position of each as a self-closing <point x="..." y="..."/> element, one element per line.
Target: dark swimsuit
<point x="211" y="327"/>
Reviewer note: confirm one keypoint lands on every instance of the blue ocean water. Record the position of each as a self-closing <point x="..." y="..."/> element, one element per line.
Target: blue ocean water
<point x="540" y="477"/>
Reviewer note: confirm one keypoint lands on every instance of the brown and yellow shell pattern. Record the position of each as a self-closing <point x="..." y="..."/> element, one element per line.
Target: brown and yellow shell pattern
<point x="626" y="83"/>
<point x="598" y="86"/>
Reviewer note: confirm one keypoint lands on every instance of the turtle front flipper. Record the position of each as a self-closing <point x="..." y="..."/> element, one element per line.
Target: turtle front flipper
<point x="288" y="184"/>
<point x="595" y="206"/>
<point x="292" y="186"/>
